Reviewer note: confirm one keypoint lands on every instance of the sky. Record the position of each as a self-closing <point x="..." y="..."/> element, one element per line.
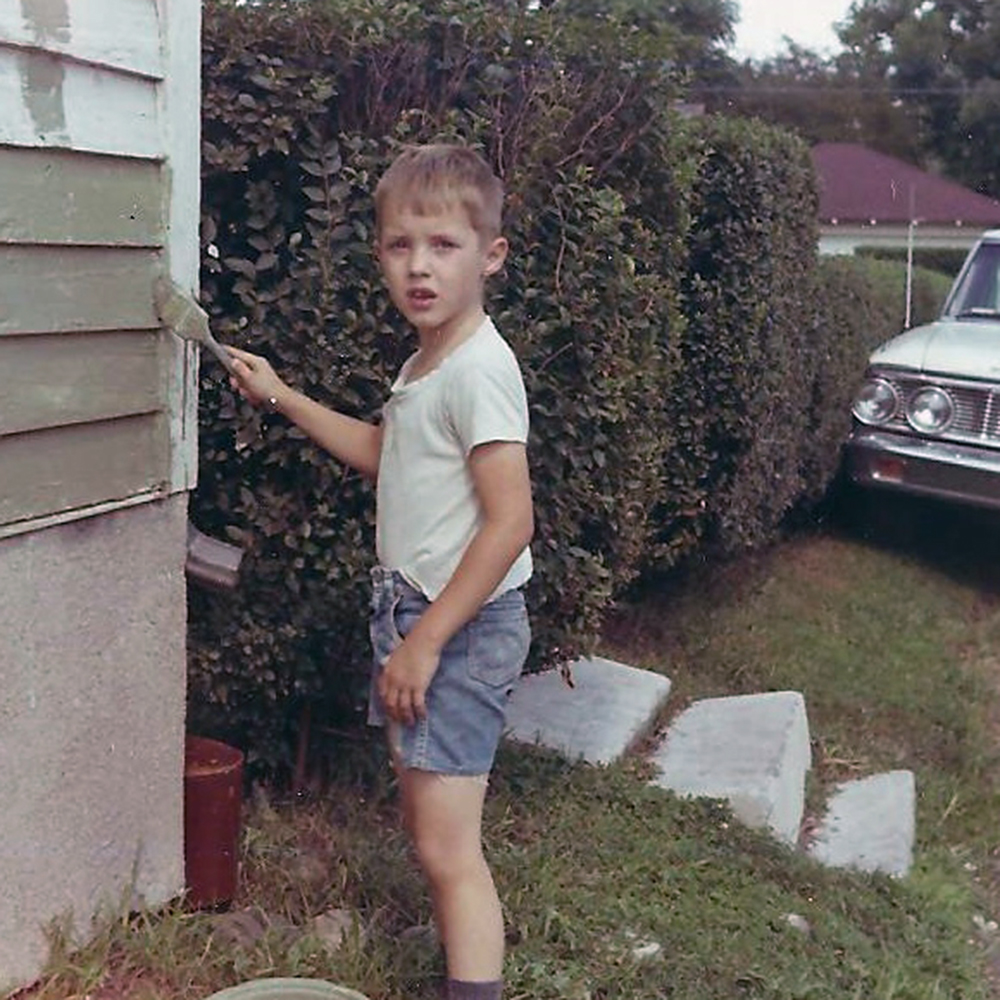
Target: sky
<point x="809" y="23"/>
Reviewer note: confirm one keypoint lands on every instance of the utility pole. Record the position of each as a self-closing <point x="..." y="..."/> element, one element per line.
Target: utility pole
<point x="912" y="225"/>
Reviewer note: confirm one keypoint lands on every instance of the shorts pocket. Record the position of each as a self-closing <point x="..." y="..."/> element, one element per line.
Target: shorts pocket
<point x="499" y="638"/>
<point x="382" y="628"/>
<point x="407" y="610"/>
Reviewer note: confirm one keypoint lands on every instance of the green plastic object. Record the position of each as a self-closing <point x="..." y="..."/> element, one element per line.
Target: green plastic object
<point x="287" y="989"/>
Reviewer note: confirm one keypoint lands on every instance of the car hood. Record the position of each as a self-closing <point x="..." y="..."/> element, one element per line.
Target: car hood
<point x="965" y="347"/>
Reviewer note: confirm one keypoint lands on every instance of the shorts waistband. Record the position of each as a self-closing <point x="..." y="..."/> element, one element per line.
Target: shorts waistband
<point x="382" y="576"/>
<point x="389" y="580"/>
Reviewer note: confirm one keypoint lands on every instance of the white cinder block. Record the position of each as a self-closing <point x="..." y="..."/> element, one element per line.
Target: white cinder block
<point x="870" y="825"/>
<point x="610" y="706"/>
<point x="751" y="750"/>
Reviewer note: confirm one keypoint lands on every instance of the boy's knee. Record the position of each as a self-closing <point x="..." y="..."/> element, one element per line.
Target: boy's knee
<point x="445" y="861"/>
<point x="446" y="829"/>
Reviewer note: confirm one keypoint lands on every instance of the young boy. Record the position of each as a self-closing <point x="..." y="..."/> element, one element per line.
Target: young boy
<point x="454" y="519"/>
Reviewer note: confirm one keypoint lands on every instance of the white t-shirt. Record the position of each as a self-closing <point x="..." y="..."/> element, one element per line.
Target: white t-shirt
<point x="427" y="509"/>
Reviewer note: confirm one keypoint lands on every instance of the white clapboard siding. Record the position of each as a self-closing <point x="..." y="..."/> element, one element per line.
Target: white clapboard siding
<point x="119" y="33"/>
<point x="49" y="101"/>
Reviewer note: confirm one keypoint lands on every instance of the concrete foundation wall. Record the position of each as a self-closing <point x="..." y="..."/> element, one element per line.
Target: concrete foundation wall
<point x="92" y="672"/>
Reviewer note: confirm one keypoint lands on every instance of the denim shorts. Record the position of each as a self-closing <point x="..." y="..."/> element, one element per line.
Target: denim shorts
<point x="468" y="694"/>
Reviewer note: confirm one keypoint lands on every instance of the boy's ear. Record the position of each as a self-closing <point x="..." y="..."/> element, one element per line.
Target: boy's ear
<point x="496" y="254"/>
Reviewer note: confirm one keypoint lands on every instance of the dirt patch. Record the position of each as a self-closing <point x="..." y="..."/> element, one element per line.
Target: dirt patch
<point x="818" y="561"/>
<point x="117" y="984"/>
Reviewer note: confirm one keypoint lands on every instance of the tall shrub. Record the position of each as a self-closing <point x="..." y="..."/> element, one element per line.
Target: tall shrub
<point x="289" y="165"/>
<point x="738" y="409"/>
<point x="590" y="326"/>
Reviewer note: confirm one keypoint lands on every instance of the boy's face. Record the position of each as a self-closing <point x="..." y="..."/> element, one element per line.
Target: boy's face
<point x="435" y="265"/>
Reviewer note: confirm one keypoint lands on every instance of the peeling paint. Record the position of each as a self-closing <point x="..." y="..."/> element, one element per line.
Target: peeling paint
<point x="42" y="76"/>
<point x="42" y="79"/>
<point x="48" y="18"/>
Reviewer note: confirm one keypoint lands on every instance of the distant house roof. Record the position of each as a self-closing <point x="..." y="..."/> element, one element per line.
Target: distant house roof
<point x="858" y="185"/>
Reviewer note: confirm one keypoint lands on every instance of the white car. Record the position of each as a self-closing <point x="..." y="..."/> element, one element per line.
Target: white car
<point x="927" y="417"/>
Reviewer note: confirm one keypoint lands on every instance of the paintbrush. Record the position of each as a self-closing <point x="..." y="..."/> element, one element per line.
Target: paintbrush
<point x="179" y="312"/>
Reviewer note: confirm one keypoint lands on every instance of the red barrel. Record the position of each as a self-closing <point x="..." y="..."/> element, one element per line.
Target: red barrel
<point x="213" y="798"/>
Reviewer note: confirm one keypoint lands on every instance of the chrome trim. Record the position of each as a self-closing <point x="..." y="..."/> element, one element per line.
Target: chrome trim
<point x="929" y="467"/>
<point x="972" y="406"/>
<point x="892" y="373"/>
<point x="984" y="434"/>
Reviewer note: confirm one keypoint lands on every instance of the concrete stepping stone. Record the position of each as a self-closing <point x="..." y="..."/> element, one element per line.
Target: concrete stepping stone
<point x="751" y="750"/>
<point x="870" y="825"/>
<point x="609" y="708"/>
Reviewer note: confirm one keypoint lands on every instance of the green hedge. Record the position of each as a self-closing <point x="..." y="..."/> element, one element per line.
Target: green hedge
<point x="737" y="406"/>
<point x="585" y="301"/>
<point x="686" y="379"/>
<point x="886" y="280"/>
<point x="947" y="262"/>
<point x="587" y="326"/>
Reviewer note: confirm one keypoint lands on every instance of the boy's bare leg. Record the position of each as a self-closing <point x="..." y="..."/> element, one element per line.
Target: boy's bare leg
<point x="444" y="817"/>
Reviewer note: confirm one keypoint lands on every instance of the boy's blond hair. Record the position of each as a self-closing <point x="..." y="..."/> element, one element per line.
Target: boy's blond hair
<point x="429" y="177"/>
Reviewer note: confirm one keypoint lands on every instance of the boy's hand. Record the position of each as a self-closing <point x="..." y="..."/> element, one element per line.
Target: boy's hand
<point x="404" y="681"/>
<point x="254" y="378"/>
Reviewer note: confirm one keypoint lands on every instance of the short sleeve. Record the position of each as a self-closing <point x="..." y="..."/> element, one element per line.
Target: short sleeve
<point x="487" y="402"/>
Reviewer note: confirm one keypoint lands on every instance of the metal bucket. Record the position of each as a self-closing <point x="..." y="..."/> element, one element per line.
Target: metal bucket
<point x="213" y="797"/>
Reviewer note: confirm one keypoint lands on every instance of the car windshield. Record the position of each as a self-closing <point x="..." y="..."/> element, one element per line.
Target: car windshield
<point x="977" y="292"/>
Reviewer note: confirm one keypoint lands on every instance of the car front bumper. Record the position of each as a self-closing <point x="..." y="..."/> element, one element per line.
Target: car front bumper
<point x="958" y="472"/>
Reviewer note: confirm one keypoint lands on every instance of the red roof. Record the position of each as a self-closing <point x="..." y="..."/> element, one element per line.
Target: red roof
<point x="859" y="185"/>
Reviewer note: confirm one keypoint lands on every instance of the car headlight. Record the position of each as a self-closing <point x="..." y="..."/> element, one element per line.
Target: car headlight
<point x="875" y="402"/>
<point x="930" y="410"/>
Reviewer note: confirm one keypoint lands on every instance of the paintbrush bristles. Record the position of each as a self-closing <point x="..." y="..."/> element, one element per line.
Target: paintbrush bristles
<point x="180" y="313"/>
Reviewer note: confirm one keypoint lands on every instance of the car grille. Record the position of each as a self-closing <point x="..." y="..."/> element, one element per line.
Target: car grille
<point x="977" y="409"/>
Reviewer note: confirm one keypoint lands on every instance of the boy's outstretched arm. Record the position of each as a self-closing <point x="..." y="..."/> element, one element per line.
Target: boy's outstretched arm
<point x="354" y="442"/>
<point x="499" y="472"/>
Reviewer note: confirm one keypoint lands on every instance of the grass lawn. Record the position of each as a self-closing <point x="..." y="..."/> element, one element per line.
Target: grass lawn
<point x="615" y="889"/>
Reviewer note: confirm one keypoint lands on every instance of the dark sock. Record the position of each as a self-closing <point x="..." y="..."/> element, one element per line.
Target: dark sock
<point x="460" y="990"/>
